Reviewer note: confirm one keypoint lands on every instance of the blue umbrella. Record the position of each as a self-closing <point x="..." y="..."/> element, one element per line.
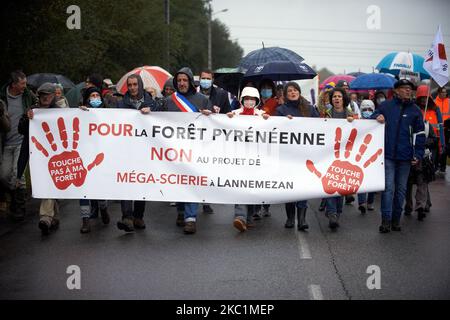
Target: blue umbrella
<point x="280" y="71"/>
<point x="373" y="81"/>
<point x="356" y="74"/>
<point x="264" y="55"/>
<point x="396" y="61"/>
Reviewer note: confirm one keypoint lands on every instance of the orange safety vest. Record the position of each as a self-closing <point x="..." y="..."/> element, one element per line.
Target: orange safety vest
<point x="443" y="105"/>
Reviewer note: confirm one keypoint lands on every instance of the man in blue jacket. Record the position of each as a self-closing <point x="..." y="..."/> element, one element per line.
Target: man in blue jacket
<point x="404" y="147"/>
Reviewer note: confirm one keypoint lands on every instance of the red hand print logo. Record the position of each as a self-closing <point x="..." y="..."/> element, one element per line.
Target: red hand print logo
<point x="67" y="167"/>
<point x="344" y="177"/>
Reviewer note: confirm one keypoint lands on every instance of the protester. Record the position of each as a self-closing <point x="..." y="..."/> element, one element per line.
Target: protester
<point x="442" y="102"/>
<point x="5" y="126"/>
<point x="249" y="106"/>
<point x="18" y="98"/>
<point x="433" y="116"/>
<point x="92" y="99"/>
<point x="340" y="109"/>
<point x="379" y="98"/>
<point x="267" y="91"/>
<point x="404" y="122"/>
<point x="296" y="106"/>
<point x="49" y="208"/>
<point x="136" y="99"/>
<point x="217" y="96"/>
<point x="353" y="105"/>
<point x="366" y="199"/>
<point x="187" y="99"/>
<point x="60" y="99"/>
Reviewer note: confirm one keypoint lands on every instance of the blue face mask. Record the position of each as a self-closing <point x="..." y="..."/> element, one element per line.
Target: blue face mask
<point x="205" y="83"/>
<point x="95" y="103"/>
<point x="366" y="114"/>
<point x="266" y="93"/>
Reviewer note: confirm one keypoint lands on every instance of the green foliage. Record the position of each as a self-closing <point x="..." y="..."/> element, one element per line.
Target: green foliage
<point x="115" y="37"/>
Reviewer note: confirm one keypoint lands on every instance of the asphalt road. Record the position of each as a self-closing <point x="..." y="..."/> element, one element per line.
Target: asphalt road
<point x="218" y="262"/>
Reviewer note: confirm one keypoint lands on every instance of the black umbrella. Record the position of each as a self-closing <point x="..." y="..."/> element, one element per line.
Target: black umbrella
<point x="265" y="55"/>
<point x="280" y="71"/>
<point x="229" y="79"/>
<point x="35" y="80"/>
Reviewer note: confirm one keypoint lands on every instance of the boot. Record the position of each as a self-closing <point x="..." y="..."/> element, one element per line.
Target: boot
<point x="139" y="223"/>
<point x="396" y="225"/>
<point x="20" y="199"/>
<point x="421" y="214"/>
<point x="180" y="219"/>
<point x="105" y="216"/>
<point x="85" y="227"/>
<point x="301" y="217"/>
<point x="290" y="222"/>
<point x="190" y="227"/>
<point x="45" y="227"/>
<point x="333" y="221"/>
<point x="126" y="224"/>
<point x="385" y="226"/>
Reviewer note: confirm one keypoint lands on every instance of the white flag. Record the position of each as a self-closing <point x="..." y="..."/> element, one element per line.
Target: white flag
<point x="436" y="60"/>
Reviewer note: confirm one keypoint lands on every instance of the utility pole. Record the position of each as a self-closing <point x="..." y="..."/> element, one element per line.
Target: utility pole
<point x="209" y="36"/>
<point x="167" y="18"/>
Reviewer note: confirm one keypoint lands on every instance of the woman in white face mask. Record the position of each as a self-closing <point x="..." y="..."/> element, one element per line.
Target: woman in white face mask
<point x="380" y="97"/>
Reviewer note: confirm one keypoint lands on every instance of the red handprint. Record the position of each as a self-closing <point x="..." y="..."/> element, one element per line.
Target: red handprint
<point x="66" y="168"/>
<point x="342" y="176"/>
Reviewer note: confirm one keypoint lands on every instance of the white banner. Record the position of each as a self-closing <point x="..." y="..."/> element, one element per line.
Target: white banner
<point x="189" y="157"/>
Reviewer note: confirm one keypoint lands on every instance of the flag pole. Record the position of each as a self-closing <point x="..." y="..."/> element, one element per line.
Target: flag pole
<point x="428" y="97"/>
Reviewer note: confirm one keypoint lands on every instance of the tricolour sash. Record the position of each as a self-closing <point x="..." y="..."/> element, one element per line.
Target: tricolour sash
<point x="183" y="104"/>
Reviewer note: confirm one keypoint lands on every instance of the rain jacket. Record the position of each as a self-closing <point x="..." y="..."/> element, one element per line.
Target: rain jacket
<point x="404" y="134"/>
<point x="148" y="102"/>
<point x="443" y="104"/>
<point x="293" y="109"/>
<point x="197" y="99"/>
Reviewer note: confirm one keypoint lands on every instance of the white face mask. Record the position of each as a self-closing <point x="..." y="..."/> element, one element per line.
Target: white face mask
<point x="380" y="100"/>
<point x="249" y="103"/>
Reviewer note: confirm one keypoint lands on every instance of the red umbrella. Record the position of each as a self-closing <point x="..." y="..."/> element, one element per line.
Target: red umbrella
<point x="336" y="79"/>
<point x="152" y="76"/>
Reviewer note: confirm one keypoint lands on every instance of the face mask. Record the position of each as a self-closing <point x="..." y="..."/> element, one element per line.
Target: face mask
<point x="380" y="100"/>
<point x="266" y="93"/>
<point x="249" y="103"/>
<point x="205" y="83"/>
<point x="366" y="114"/>
<point x="95" y="103"/>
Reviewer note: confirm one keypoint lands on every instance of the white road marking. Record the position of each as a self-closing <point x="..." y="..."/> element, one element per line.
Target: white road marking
<point x="303" y="247"/>
<point x="315" y="292"/>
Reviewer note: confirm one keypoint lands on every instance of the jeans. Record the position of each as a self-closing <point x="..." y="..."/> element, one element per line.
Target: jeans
<point x="334" y="205"/>
<point x="244" y="212"/>
<point x="393" y="197"/>
<point x="190" y="211"/>
<point x="85" y="206"/>
<point x="368" y="198"/>
<point x="129" y="212"/>
<point x="302" y="204"/>
<point x="8" y="172"/>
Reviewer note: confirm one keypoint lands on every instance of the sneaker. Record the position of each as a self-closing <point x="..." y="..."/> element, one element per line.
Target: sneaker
<point x="180" y="219"/>
<point x="190" y="227"/>
<point x="370" y="207"/>
<point x="257" y="215"/>
<point x="126" y="224"/>
<point x="105" y="216"/>
<point x="207" y="209"/>
<point x="362" y="209"/>
<point x="45" y="227"/>
<point x="139" y="223"/>
<point x="266" y="212"/>
<point x="239" y="224"/>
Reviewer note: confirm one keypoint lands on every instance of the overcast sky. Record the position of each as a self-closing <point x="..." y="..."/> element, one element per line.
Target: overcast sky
<point x="334" y="34"/>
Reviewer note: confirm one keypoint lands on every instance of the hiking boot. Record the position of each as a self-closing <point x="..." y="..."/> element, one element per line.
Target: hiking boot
<point x="370" y="207"/>
<point x="207" y="209"/>
<point x="395" y="226"/>
<point x="239" y="224"/>
<point x="385" y="226"/>
<point x="45" y="227"/>
<point x="333" y="221"/>
<point x="290" y="222"/>
<point x="105" y="216"/>
<point x="266" y="212"/>
<point x="301" y="217"/>
<point x="362" y="209"/>
<point x="180" y="219"/>
<point x="85" y="227"/>
<point x="139" y="223"/>
<point x="189" y="227"/>
<point x="421" y="214"/>
<point x="126" y="224"/>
